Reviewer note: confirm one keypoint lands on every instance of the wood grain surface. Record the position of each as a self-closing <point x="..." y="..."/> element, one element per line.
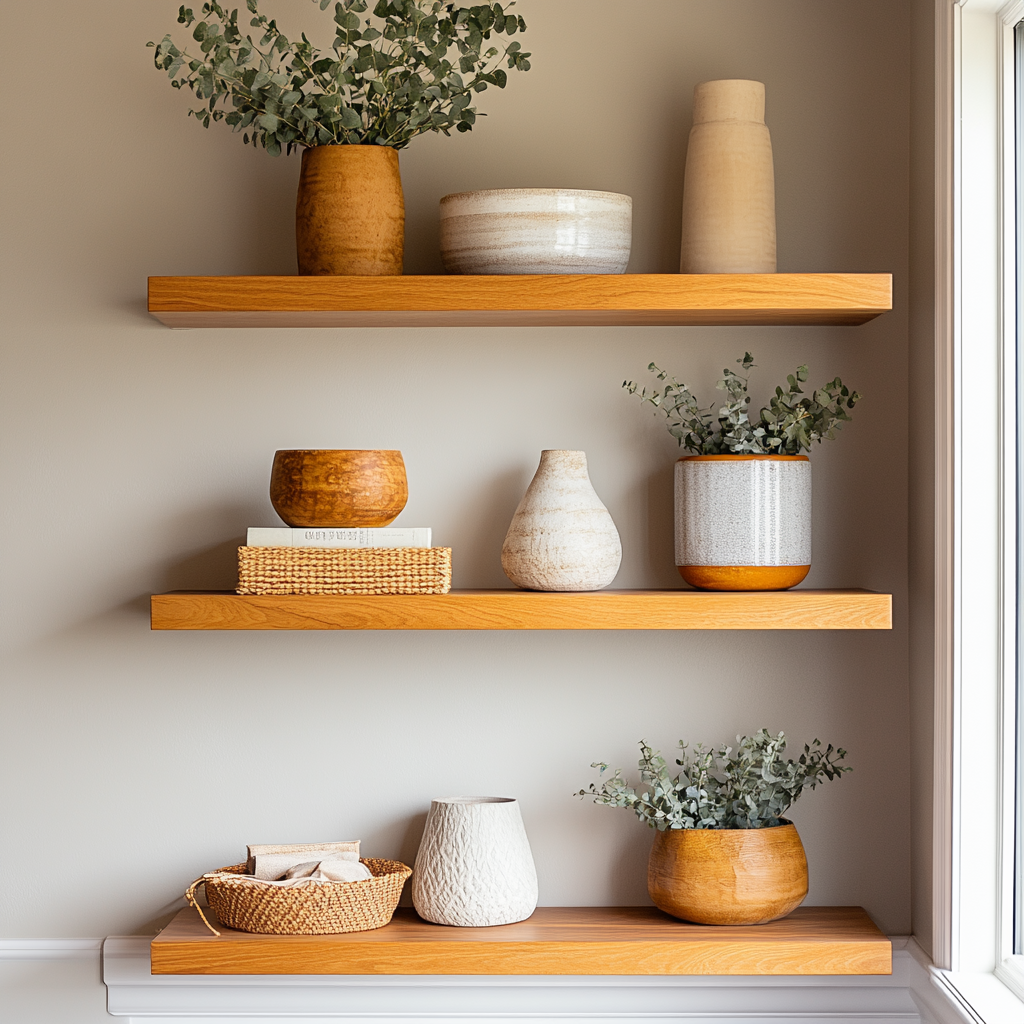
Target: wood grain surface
<point x="511" y="300"/>
<point x="728" y="876"/>
<point x="556" y="940"/>
<point x="338" y="489"/>
<point x="349" y="211"/>
<point x="521" y="609"/>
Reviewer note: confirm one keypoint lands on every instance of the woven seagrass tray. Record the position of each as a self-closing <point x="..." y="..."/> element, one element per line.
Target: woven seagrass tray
<point x="320" y="908"/>
<point x="344" y="570"/>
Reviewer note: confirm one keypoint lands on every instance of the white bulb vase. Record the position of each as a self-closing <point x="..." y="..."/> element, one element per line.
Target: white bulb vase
<point x="474" y="867"/>
<point x="729" y="188"/>
<point x="561" y="537"/>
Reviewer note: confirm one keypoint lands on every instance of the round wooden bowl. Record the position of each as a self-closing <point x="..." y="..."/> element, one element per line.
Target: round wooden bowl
<point x="728" y="876"/>
<point x="338" y="489"/>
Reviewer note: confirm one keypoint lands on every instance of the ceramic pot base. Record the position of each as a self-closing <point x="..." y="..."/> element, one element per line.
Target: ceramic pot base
<point x="743" y="577"/>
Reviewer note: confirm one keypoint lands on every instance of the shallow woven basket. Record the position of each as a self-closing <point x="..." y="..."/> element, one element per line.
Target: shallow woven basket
<point x="320" y="908"/>
<point x="344" y="570"/>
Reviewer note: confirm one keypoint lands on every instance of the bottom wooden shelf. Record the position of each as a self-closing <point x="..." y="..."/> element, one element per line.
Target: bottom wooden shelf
<point x="521" y="609"/>
<point x="555" y="940"/>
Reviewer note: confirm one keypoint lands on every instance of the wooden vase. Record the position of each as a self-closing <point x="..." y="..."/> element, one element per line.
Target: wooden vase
<point x="728" y="876"/>
<point x="350" y="212"/>
<point x="743" y="522"/>
<point x="338" y="489"/>
<point x="729" y="186"/>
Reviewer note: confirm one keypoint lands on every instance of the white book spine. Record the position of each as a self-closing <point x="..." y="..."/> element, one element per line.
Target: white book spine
<point x="302" y="537"/>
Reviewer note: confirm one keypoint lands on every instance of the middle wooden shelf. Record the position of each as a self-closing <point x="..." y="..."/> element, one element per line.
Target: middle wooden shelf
<point x="521" y="609"/>
<point x="552" y="300"/>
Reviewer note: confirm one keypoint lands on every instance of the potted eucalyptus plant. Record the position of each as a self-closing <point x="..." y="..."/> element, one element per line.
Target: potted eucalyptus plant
<point x="411" y="66"/>
<point x="743" y="497"/>
<point x="724" y="853"/>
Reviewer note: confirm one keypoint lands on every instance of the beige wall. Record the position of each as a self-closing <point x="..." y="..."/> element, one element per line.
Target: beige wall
<point x="135" y="457"/>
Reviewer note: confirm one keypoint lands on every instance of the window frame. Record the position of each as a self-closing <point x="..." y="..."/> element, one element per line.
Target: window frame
<point x="976" y="607"/>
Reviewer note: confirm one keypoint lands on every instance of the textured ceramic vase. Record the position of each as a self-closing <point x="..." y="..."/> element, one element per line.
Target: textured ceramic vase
<point x="337" y="489"/>
<point x="743" y="522"/>
<point x="729" y="189"/>
<point x="536" y="231"/>
<point x="561" y="537"/>
<point x="474" y="867"/>
<point x="350" y="212"/>
<point x="728" y="876"/>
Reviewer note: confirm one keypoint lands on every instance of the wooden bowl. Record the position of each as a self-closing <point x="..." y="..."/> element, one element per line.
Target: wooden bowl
<point x="728" y="876"/>
<point x="322" y="488"/>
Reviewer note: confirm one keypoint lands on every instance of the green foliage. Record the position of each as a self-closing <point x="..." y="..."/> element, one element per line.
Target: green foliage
<point x="751" y="788"/>
<point x="386" y="79"/>
<point x="786" y="426"/>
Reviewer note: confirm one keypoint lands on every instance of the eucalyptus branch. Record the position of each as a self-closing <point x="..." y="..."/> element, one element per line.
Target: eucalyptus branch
<point x="788" y="425"/>
<point x="386" y="78"/>
<point x="717" y="788"/>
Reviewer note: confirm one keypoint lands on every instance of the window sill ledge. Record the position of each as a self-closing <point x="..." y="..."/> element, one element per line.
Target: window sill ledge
<point x="981" y="998"/>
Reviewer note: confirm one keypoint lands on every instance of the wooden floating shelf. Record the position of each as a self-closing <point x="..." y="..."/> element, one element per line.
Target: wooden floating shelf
<point x="555" y="940"/>
<point x="521" y="609"/>
<point x="555" y="300"/>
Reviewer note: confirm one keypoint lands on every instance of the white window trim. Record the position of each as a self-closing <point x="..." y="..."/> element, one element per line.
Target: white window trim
<point x="975" y="623"/>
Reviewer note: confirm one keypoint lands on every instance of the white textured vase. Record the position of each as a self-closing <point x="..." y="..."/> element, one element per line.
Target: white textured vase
<point x="743" y="522"/>
<point x="561" y="537"/>
<point x="474" y="867"/>
<point x="729" y="188"/>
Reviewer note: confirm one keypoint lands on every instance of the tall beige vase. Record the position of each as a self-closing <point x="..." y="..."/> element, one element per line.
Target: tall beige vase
<point x="729" y="189"/>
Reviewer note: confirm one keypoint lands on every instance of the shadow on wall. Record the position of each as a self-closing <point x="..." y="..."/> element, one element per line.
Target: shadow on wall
<point x="212" y="568"/>
<point x="481" y="528"/>
<point x="660" y="499"/>
<point x="408" y="848"/>
<point x="215" y="566"/>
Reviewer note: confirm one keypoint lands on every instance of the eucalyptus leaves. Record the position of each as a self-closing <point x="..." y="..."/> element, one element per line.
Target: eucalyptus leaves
<point x="787" y="426"/>
<point x="385" y="80"/>
<point x="752" y="787"/>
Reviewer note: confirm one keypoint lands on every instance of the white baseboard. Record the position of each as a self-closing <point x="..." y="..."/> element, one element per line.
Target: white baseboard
<point x="50" y="949"/>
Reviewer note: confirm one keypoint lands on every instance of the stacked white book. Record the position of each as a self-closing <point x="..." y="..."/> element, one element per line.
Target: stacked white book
<point x="307" y="537"/>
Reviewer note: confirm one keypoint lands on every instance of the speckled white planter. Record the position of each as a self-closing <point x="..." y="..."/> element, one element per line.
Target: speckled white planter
<point x="536" y="231"/>
<point x="474" y="867"/>
<point x="561" y="537"/>
<point x="743" y="522"/>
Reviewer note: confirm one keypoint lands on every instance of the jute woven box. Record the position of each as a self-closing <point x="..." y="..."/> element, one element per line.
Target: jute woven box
<point x="344" y="570"/>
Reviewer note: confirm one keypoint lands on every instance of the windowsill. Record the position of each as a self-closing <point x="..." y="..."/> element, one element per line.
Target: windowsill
<point x="982" y="997"/>
<point x="1011" y="973"/>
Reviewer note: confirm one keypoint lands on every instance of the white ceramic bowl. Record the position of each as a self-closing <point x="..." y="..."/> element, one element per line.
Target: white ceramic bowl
<point x="536" y="231"/>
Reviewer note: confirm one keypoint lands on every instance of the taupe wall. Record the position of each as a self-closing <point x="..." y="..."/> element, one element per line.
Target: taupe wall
<point x="921" y="403"/>
<point x="134" y="458"/>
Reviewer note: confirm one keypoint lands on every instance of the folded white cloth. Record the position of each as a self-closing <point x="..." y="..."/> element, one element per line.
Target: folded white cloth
<point x="307" y="863"/>
<point x="269" y="862"/>
<point x="338" y="867"/>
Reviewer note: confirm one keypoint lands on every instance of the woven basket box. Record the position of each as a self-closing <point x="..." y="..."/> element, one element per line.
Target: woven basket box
<point x="344" y="570"/>
<point x="321" y="908"/>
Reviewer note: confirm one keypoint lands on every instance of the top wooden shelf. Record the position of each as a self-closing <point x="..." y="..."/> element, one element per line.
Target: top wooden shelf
<point x="555" y="940"/>
<point x="555" y="300"/>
